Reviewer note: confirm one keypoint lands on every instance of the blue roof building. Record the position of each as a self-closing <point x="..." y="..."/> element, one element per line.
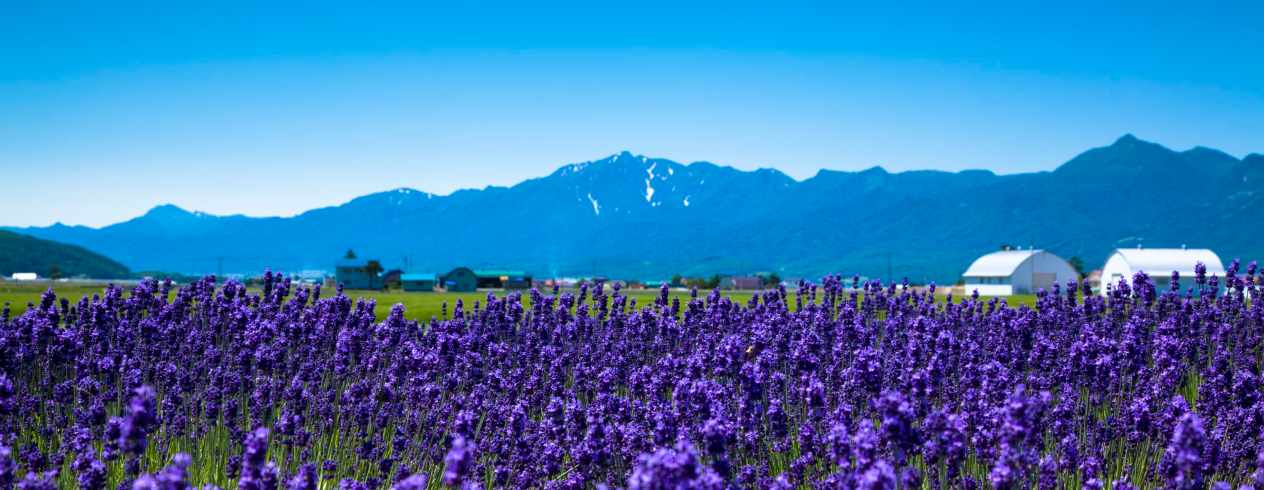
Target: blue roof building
<point x="418" y="282"/>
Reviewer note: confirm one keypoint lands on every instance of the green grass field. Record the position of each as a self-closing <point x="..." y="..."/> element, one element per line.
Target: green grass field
<point x="419" y="306"/>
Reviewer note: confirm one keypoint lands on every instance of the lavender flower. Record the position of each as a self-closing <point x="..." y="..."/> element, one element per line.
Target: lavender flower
<point x="141" y="418"/>
<point x="459" y="461"/>
<point x="413" y="482"/>
<point x="8" y="469"/>
<point x="862" y="387"/>
<point x="1181" y="462"/>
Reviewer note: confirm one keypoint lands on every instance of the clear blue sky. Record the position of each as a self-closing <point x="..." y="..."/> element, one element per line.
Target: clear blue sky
<point x="267" y="110"/>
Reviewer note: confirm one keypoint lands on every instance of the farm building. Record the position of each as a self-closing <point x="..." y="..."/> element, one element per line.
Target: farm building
<point x="25" y="276"/>
<point x="1017" y="272"/>
<point x="1159" y="264"/>
<point x="460" y="280"/>
<point x="418" y="282"/>
<point x="389" y="277"/>
<point x="354" y="274"/>
<point x="1095" y="279"/>
<point x="499" y="279"/>
<point x="740" y="282"/>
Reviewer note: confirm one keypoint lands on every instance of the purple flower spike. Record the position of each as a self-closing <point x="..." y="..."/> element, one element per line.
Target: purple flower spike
<point x="459" y="461"/>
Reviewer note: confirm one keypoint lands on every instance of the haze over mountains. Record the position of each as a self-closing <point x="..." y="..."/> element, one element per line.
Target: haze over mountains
<point x="629" y="216"/>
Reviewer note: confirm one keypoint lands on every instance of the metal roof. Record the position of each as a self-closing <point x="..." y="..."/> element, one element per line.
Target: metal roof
<point x="1000" y="264"/>
<point x="1162" y="261"/>
<point x="417" y="277"/>
<point x="351" y="262"/>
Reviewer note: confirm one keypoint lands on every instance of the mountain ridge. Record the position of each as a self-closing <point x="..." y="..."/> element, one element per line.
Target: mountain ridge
<point x="22" y="253"/>
<point x="648" y="218"/>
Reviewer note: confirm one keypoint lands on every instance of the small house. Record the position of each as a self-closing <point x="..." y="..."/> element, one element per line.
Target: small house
<point x="460" y="280"/>
<point x="418" y="282"/>
<point x="1011" y="272"/>
<point x="1095" y="279"/>
<point x="354" y="274"/>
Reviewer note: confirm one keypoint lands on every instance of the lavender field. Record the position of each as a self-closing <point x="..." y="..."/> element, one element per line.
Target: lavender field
<point x="840" y="385"/>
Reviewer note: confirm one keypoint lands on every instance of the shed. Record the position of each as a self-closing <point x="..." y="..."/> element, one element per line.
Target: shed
<point x="418" y="282"/>
<point x="1095" y="279"/>
<point x="503" y="279"/>
<point x="741" y="282"/>
<point x="1017" y="272"/>
<point x="1159" y="263"/>
<point x="460" y="280"/>
<point x="354" y="274"/>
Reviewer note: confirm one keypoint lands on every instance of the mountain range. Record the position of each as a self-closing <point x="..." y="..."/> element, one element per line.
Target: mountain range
<point x="634" y="217"/>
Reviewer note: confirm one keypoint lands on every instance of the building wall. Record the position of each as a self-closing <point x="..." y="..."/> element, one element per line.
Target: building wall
<point x="422" y="286"/>
<point x="1115" y="268"/>
<point x="489" y="282"/>
<point x="1038" y="268"/>
<point x="990" y="289"/>
<point x="352" y="277"/>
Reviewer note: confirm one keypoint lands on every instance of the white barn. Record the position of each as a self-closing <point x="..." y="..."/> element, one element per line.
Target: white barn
<point x="1159" y="264"/>
<point x="1017" y="272"/>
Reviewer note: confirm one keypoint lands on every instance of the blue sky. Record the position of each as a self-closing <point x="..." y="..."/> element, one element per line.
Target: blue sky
<point x="269" y="110"/>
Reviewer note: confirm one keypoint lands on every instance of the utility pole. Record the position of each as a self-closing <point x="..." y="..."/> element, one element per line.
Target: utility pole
<point x="889" y="276"/>
<point x="220" y="276"/>
<point x="594" y="264"/>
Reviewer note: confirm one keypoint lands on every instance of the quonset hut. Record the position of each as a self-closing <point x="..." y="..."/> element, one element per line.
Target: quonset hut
<point x="460" y="280"/>
<point x="1017" y="272"/>
<point x="1159" y="263"/>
